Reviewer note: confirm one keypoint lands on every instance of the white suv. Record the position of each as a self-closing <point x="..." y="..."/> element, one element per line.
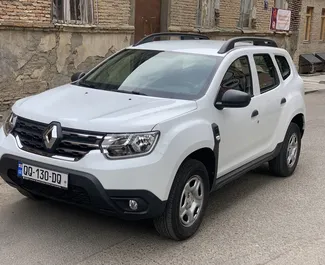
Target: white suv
<point x="158" y="126"/>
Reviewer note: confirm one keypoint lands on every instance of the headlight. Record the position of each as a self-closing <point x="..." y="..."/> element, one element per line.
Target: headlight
<point x="10" y="123"/>
<point x="127" y="145"/>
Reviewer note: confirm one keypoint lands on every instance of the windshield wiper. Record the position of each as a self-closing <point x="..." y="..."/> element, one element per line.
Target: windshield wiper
<point x="138" y="93"/>
<point x="132" y="92"/>
<point x="86" y="84"/>
<point x="108" y="88"/>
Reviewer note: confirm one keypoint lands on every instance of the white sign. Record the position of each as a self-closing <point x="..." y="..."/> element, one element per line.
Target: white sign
<point x="283" y="20"/>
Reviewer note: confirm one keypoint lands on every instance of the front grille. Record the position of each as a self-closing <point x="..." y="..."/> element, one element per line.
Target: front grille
<point x="74" y="144"/>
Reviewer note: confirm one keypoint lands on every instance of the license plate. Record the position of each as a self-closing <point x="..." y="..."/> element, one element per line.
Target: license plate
<point x="42" y="175"/>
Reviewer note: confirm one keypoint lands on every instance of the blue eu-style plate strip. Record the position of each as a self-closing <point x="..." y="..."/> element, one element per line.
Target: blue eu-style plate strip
<point x="20" y="169"/>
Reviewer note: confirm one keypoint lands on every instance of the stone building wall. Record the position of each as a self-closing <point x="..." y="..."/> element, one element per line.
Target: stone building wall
<point x="315" y="44"/>
<point x="37" y="53"/>
<point x="114" y="12"/>
<point x="229" y="14"/>
<point x="226" y="26"/>
<point x="38" y="12"/>
<point x="25" y="12"/>
<point x="295" y="7"/>
<point x="33" y="61"/>
<point x="263" y="15"/>
<point x="184" y="14"/>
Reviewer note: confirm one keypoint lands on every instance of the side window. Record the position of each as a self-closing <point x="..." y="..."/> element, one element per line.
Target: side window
<point x="238" y="76"/>
<point x="284" y="66"/>
<point x="267" y="74"/>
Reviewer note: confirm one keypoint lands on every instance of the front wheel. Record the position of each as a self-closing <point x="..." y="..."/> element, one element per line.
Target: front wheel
<point x="286" y="162"/>
<point x="187" y="202"/>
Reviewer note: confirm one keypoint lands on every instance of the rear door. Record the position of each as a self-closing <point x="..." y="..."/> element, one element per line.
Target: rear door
<point x="270" y="97"/>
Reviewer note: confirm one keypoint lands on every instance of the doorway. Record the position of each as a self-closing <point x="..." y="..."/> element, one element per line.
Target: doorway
<point x="147" y="18"/>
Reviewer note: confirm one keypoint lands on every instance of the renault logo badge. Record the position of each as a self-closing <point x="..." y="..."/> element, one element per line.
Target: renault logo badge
<point x="51" y="136"/>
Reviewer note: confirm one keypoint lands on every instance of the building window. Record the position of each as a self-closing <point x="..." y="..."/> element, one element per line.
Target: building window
<point x="205" y="17"/>
<point x="322" y="31"/>
<point x="308" y="22"/>
<point x="73" y="11"/>
<point x="281" y="4"/>
<point x="199" y="13"/>
<point x="217" y="12"/>
<point x="245" y="14"/>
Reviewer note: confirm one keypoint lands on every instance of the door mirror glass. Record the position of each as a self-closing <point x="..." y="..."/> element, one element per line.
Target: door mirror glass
<point x="233" y="98"/>
<point x="77" y="76"/>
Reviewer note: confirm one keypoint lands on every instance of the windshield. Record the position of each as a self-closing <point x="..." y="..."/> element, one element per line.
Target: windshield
<point x="154" y="73"/>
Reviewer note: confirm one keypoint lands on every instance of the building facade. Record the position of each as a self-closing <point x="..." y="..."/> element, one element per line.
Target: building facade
<point x="42" y="42"/>
<point x="311" y="38"/>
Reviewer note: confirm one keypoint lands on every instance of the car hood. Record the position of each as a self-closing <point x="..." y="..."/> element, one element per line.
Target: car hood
<point x="98" y="110"/>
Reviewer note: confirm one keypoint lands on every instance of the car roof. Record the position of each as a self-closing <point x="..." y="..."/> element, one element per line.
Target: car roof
<point x="204" y="47"/>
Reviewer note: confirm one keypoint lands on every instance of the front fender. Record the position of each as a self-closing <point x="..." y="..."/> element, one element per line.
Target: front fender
<point x="180" y="139"/>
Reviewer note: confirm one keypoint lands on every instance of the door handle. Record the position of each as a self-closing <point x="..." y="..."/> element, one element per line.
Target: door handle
<point x="283" y="101"/>
<point x="254" y="113"/>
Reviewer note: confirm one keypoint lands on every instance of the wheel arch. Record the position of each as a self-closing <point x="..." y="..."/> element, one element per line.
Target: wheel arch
<point x="206" y="152"/>
<point x="299" y="119"/>
<point x="207" y="157"/>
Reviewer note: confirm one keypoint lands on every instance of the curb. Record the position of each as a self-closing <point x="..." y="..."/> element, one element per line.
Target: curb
<point x="322" y="82"/>
<point x="314" y="90"/>
<point x="314" y="74"/>
<point x="311" y="91"/>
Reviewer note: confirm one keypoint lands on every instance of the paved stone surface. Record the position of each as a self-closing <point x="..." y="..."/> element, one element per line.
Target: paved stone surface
<point x="314" y="83"/>
<point x="257" y="219"/>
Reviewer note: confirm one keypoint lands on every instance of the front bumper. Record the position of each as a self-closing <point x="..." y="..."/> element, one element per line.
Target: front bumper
<point x="95" y="182"/>
<point x="86" y="191"/>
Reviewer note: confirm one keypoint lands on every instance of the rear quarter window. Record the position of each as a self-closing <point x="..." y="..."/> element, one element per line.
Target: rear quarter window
<point x="284" y="66"/>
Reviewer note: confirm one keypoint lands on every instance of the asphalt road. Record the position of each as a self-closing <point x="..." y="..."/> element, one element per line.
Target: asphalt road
<point x="257" y="219"/>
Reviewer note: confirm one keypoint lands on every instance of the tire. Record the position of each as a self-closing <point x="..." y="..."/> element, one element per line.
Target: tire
<point x="30" y="195"/>
<point x="279" y="166"/>
<point x="170" y="224"/>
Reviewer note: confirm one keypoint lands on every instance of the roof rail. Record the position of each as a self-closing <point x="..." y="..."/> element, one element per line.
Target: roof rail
<point x="183" y="36"/>
<point x="230" y="44"/>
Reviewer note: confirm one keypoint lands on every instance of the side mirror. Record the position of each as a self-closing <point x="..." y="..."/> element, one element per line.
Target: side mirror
<point x="233" y="99"/>
<point x="77" y="76"/>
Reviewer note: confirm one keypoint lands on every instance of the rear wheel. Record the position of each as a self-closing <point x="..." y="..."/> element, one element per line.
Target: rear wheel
<point x="187" y="202"/>
<point x="286" y="162"/>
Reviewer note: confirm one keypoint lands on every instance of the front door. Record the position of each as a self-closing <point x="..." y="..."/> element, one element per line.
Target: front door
<point x="238" y="126"/>
<point x="147" y="18"/>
